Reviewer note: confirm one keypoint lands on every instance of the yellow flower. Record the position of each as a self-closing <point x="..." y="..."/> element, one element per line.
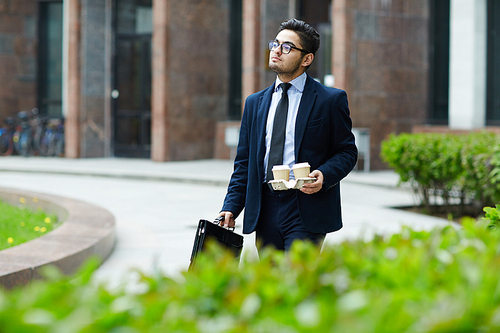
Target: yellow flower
<point x="35" y="199"/>
<point x="22" y="200"/>
<point x="10" y="240"/>
<point x="23" y="224"/>
<point x="43" y="229"/>
<point x="37" y="228"/>
<point x="47" y="220"/>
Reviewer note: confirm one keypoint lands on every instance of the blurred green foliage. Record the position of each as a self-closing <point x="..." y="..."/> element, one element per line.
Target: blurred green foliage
<point x="492" y="216"/>
<point x="456" y="168"/>
<point x="444" y="280"/>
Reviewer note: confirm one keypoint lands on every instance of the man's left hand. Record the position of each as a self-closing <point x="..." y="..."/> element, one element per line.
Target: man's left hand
<point x="311" y="188"/>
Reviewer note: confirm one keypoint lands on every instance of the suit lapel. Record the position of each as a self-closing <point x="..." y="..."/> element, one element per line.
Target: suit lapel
<point x="262" y="112"/>
<point x="305" y="107"/>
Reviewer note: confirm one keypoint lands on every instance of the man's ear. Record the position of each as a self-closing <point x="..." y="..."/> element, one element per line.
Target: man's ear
<point x="307" y="60"/>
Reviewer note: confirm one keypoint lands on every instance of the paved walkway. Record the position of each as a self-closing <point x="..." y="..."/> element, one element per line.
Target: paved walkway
<point x="157" y="205"/>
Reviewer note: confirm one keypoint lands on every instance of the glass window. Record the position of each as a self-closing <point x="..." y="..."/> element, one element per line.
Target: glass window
<point x="134" y="17"/>
<point x="50" y="59"/>
<point x="439" y="61"/>
<point x="493" y="71"/>
<point x="235" y="60"/>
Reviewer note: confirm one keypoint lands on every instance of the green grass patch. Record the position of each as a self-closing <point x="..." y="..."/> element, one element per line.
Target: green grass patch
<point x="19" y="224"/>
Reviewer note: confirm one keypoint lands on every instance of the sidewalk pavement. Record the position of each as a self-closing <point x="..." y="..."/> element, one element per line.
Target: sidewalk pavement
<point x="207" y="172"/>
<point x="157" y="204"/>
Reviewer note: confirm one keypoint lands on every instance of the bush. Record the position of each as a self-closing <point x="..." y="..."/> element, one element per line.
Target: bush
<point x="492" y="216"/>
<point x="481" y="163"/>
<point x="445" y="280"/>
<point x="456" y="168"/>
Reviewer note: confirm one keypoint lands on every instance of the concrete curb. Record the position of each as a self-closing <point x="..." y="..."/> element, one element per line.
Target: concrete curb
<point x="86" y="231"/>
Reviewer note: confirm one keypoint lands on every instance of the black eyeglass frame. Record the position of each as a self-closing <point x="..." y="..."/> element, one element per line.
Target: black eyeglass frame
<point x="271" y="45"/>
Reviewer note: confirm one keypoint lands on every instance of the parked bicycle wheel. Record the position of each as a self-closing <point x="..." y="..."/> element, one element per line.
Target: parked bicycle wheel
<point x="25" y="144"/>
<point x="7" y="137"/>
<point x="15" y="140"/>
<point x="46" y="146"/>
<point x="25" y="147"/>
<point x="6" y="145"/>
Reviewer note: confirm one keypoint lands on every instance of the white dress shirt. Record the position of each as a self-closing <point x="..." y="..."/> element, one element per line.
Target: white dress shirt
<point x="294" y="96"/>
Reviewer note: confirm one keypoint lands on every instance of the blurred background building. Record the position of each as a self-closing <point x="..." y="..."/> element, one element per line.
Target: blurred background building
<point x="166" y="79"/>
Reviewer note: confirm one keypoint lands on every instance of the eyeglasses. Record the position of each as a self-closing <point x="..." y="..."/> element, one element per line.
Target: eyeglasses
<point x="285" y="47"/>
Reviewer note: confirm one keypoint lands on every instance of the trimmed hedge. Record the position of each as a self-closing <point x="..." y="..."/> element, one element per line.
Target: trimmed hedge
<point x="456" y="168"/>
<point x="445" y="280"/>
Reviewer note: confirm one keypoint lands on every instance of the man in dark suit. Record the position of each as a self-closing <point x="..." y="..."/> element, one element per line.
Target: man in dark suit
<point x="317" y="129"/>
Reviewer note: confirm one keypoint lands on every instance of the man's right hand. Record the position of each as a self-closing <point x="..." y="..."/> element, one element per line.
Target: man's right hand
<point x="228" y="221"/>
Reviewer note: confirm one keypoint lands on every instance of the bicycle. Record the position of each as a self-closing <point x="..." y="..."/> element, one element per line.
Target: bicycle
<point x="39" y="125"/>
<point x="59" y="139"/>
<point x="52" y="140"/>
<point x="30" y="131"/>
<point x="23" y="145"/>
<point x="7" y="135"/>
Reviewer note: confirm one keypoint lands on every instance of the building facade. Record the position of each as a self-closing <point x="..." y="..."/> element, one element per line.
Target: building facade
<point x="166" y="79"/>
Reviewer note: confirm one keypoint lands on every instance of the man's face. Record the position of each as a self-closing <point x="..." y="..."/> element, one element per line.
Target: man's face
<point x="286" y="64"/>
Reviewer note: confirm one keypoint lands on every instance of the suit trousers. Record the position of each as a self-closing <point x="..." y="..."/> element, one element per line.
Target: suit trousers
<point x="280" y="222"/>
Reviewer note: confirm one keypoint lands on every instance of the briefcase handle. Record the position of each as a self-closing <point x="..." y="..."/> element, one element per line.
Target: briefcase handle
<point x="219" y="220"/>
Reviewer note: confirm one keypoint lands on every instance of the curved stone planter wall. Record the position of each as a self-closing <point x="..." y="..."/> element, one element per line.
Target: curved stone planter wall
<point x="86" y="231"/>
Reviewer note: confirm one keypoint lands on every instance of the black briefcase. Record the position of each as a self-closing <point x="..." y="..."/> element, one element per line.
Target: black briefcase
<point x="212" y="231"/>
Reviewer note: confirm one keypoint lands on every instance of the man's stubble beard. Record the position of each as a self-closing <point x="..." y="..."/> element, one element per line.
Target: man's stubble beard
<point x="279" y="71"/>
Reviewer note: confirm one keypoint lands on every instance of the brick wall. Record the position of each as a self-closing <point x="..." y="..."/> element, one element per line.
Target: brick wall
<point x="18" y="56"/>
<point x="198" y="76"/>
<point x="385" y="66"/>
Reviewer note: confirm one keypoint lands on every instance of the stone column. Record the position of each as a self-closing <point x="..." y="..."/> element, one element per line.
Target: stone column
<point x="251" y="48"/>
<point x="73" y="78"/>
<point x="160" y="84"/>
<point x="93" y="78"/>
<point x="341" y="46"/>
<point x="467" y="96"/>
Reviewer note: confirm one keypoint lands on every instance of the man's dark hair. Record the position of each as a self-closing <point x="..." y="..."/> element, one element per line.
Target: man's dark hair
<point x="309" y="37"/>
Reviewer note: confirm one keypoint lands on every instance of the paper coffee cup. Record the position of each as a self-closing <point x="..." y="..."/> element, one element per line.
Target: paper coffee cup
<point x="281" y="172"/>
<point x="301" y="170"/>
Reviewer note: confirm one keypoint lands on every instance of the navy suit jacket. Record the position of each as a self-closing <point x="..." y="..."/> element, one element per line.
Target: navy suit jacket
<point x="323" y="138"/>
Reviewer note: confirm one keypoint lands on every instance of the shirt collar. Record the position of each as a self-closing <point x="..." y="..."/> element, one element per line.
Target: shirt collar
<point x="299" y="82"/>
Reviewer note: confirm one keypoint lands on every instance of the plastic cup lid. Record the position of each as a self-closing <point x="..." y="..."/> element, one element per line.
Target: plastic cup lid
<point x="280" y="167"/>
<point x="301" y="165"/>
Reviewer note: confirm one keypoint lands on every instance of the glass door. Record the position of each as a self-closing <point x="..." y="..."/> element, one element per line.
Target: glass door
<point x="132" y="78"/>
